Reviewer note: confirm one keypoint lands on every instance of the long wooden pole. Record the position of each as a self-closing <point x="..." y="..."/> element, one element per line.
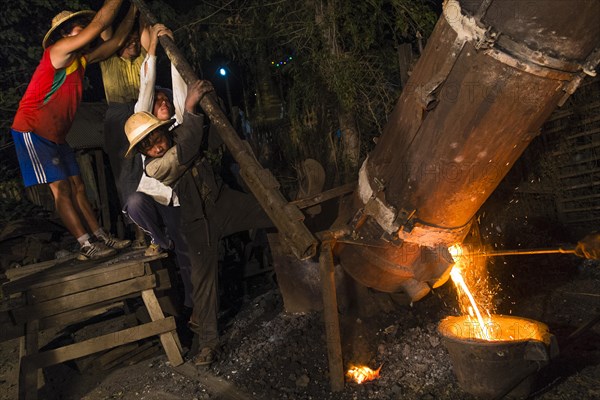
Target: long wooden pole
<point x="331" y="317"/>
<point x="285" y="216"/>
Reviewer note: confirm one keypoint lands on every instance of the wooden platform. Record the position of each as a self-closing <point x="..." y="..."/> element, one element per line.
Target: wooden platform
<point x="73" y="291"/>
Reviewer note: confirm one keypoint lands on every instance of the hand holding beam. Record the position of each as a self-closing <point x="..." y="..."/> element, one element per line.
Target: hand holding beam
<point x="285" y="216"/>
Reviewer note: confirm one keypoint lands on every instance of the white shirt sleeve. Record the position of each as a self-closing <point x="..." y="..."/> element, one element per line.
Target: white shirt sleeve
<point x="157" y="190"/>
<point x="145" y="100"/>
<point x="179" y="93"/>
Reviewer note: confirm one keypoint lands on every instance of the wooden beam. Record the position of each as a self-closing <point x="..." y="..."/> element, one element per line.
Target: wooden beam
<point x="109" y="357"/>
<point x="10" y="331"/>
<point x="74" y="269"/>
<point x="102" y="189"/>
<point x="41" y="294"/>
<point x="16" y="273"/>
<point x="94" y="345"/>
<point x="169" y="340"/>
<point x="324" y="196"/>
<point x="78" y="300"/>
<point x="28" y="378"/>
<point x="80" y="314"/>
<point x="331" y="317"/>
<point x="132" y="355"/>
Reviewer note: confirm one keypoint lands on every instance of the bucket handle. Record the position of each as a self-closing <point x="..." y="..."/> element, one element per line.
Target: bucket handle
<point x="539" y="351"/>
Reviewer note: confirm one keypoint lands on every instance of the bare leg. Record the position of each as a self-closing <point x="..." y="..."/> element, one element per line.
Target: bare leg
<point x="82" y="204"/>
<point x="61" y="190"/>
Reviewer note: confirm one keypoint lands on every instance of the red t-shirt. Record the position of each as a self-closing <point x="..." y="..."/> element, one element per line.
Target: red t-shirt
<point x="49" y="104"/>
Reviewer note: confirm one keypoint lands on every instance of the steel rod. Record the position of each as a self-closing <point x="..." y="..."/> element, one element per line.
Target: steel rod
<point x="522" y="252"/>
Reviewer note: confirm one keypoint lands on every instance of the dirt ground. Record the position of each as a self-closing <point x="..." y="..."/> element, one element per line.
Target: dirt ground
<point x="271" y="354"/>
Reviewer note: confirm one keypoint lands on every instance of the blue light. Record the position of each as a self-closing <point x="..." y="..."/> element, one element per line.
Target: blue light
<point x="222" y="71"/>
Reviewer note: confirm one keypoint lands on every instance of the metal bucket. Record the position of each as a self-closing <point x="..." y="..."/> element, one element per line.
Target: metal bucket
<point x="507" y="364"/>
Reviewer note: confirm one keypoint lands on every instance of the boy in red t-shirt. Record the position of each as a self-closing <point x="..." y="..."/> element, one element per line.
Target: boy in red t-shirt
<point x="46" y="113"/>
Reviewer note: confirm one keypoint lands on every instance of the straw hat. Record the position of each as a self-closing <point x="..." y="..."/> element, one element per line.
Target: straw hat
<point x="140" y="125"/>
<point x="63" y="17"/>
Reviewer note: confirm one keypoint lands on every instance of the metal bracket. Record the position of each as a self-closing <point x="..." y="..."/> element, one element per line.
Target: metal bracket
<point x="588" y="68"/>
<point x="406" y="219"/>
<point x="387" y="216"/>
<point x="504" y="49"/>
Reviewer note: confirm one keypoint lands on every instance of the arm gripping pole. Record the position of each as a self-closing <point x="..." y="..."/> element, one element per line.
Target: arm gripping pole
<point x="285" y="216"/>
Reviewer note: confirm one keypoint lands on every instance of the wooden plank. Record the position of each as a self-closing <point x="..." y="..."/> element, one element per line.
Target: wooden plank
<point x="580" y="209"/>
<point x="28" y="377"/>
<point x="163" y="282"/>
<point x="75" y="269"/>
<point x="45" y="293"/>
<point x="78" y="300"/>
<point x="575" y="149"/>
<point x="11" y="331"/>
<point x="114" y="354"/>
<point x="579" y="198"/>
<point x="169" y="340"/>
<point x="579" y="173"/>
<point x="582" y="186"/>
<point x="579" y="162"/>
<point x="71" y="316"/>
<point x="102" y="189"/>
<point x="331" y="317"/>
<point x="324" y="196"/>
<point x="562" y="113"/>
<point x="45" y="275"/>
<point x="573" y="125"/>
<point x="16" y="273"/>
<point x="66" y="272"/>
<point x="580" y="221"/>
<point x="81" y="314"/>
<point x="94" y="345"/>
<point x="132" y="355"/>
<point x="142" y="354"/>
<point x="583" y="134"/>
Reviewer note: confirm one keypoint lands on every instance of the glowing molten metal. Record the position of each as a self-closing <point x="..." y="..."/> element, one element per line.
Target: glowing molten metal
<point x="473" y="324"/>
<point x="361" y="374"/>
<point x="461" y="262"/>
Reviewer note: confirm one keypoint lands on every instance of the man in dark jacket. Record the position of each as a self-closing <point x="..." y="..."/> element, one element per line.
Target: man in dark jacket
<point x="210" y="209"/>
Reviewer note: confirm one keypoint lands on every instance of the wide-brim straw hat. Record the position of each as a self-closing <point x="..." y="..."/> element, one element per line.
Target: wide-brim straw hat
<point x="63" y="17"/>
<point x="140" y="125"/>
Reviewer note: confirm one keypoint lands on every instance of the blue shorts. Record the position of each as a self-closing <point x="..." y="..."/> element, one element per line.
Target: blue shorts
<point x="43" y="161"/>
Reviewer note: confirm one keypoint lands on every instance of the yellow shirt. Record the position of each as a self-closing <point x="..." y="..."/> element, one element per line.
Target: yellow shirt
<point x="121" y="78"/>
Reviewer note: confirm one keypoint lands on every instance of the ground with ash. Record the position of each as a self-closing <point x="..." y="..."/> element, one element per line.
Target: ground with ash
<point x="271" y="354"/>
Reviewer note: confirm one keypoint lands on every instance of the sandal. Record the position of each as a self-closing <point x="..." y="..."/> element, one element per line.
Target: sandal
<point x="206" y="356"/>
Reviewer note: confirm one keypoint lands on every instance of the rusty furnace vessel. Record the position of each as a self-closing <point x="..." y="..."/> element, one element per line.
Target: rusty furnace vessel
<point x="491" y="74"/>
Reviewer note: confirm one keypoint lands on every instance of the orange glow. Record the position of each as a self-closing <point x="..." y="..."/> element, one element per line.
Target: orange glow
<point x="361" y="374"/>
<point x="499" y="328"/>
<point x="479" y="321"/>
<point x="461" y="263"/>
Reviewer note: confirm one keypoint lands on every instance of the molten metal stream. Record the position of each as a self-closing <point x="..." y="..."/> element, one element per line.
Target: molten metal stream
<point x="459" y="281"/>
<point x="456" y="274"/>
<point x="492" y="328"/>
